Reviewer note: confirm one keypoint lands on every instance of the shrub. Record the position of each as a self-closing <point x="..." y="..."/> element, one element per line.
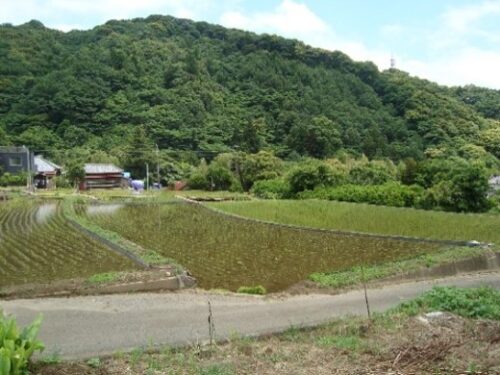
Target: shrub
<point x="198" y="180"/>
<point x="258" y="289"/>
<point x="312" y="174"/>
<point x="62" y="182"/>
<point x="391" y="194"/>
<point x="271" y="189"/>
<point x="16" y="347"/>
<point x="219" y="177"/>
<point x="254" y="167"/>
<point x="18" y="179"/>
<point x="371" y="173"/>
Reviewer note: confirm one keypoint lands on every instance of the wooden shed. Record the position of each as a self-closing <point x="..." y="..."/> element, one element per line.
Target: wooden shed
<point x="101" y="176"/>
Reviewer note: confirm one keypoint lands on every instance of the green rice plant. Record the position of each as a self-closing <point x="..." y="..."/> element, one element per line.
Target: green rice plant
<point x="258" y="290"/>
<point x="16" y="347"/>
<point x="360" y="217"/>
<point x="74" y="210"/>
<point x="483" y="302"/>
<point x="50" y="248"/>
<point x="226" y="252"/>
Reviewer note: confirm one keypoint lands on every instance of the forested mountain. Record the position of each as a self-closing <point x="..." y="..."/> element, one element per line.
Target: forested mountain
<point x="195" y="86"/>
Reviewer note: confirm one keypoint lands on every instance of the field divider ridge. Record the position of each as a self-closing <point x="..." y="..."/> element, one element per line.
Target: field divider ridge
<point x="112" y="245"/>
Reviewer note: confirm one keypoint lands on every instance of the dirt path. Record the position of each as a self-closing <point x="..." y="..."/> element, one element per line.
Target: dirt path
<point x="82" y="327"/>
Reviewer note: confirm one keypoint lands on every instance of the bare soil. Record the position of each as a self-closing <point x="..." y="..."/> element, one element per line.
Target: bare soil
<point x="447" y="344"/>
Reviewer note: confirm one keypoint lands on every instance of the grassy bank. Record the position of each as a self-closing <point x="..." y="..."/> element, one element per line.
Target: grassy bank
<point x="371" y="219"/>
<point x="402" y="340"/>
<point x="354" y="276"/>
<point x="149" y="257"/>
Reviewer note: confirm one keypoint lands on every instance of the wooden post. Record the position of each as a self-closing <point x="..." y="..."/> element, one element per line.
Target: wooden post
<point x="366" y="293"/>
<point x="211" y="325"/>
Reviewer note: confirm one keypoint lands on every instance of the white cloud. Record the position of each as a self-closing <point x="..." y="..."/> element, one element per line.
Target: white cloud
<point x="289" y="18"/>
<point x="463" y="18"/>
<point x="466" y="66"/>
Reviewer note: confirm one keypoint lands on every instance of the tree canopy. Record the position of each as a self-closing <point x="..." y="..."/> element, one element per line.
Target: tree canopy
<point x="207" y="89"/>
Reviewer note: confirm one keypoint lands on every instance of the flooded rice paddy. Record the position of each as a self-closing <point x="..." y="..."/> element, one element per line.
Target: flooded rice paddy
<point x="38" y="245"/>
<point x="222" y="252"/>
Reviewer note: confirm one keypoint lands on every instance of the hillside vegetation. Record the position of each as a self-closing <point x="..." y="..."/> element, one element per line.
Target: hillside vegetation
<point x="205" y="88"/>
<point x="179" y="95"/>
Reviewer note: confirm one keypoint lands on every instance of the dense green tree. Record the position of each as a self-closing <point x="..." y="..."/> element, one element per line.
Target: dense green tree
<point x="140" y="154"/>
<point x="75" y="172"/>
<point x="312" y="174"/>
<point x="318" y="138"/>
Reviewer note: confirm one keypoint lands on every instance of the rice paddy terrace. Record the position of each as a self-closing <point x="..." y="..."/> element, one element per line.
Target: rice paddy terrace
<point x="39" y="244"/>
<point x="223" y="252"/>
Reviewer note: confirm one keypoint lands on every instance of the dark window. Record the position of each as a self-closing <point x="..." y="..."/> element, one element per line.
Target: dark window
<point x="15" y="161"/>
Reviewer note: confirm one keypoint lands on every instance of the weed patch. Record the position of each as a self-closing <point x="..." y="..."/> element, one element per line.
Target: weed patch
<point x="481" y="302"/>
<point x="258" y="290"/>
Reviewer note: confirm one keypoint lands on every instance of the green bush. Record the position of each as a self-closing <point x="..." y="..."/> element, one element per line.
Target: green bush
<point x="271" y="189"/>
<point x="390" y="194"/>
<point x="258" y="289"/>
<point x="16" y="347"/>
<point x="481" y="302"/>
<point x="62" y="182"/>
<point x="219" y="177"/>
<point x="198" y="181"/>
<point x="18" y="179"/>
<point x="371" y="173"/>
<point x="313" y="174"/>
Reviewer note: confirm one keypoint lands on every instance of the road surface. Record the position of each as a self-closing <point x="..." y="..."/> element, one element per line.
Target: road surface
<point x="84" y="327"/>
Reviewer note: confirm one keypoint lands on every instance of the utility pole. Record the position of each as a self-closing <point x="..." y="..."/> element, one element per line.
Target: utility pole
<point x="28" y="168"/>
<point x="147" y="176"/>
<point x="157" y="165"/>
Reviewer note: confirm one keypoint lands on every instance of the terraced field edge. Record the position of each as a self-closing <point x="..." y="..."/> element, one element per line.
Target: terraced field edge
<point x="333" y="231"/>
<point x="145" y="258"/>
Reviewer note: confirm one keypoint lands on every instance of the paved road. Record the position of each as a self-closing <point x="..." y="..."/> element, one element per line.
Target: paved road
<point x="82" y="327"/>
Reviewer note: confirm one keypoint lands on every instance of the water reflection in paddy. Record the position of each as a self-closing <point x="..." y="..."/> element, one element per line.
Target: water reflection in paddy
<point x="226" y="253"/>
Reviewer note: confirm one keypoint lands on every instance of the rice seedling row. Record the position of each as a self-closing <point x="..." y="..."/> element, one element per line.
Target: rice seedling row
<point x="226" y="253"/>
<point x="371" y="219"/>
<point x="38" y="245"/>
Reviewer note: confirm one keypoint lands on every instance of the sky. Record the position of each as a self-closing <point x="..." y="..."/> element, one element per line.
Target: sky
<point x="452" y="42"/>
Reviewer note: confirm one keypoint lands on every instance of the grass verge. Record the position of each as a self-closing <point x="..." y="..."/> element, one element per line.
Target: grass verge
<point x="354" y="275"/>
